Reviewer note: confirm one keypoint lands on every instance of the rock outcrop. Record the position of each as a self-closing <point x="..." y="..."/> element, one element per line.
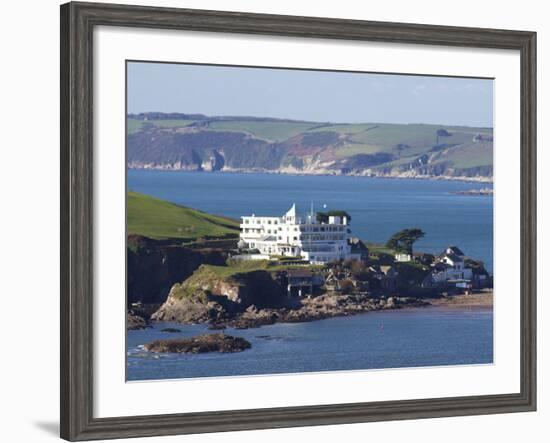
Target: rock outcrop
<point x="256" y="298"/>
<point x="321" y="307"/>
<point x="200" y="344"/>
<point x="135" y="322"/>
<point x="208" y="298"/>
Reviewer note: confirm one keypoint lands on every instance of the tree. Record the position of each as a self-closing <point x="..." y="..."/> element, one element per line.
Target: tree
<point x="441" y="133"/>
<point x="425" y="259"/>
<point x="403" y="241"/>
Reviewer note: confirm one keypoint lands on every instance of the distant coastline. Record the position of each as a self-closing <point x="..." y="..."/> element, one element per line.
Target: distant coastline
<point x="488" y="192"/>
<point x="405" y="175"/>
<point x="192" y="142"/>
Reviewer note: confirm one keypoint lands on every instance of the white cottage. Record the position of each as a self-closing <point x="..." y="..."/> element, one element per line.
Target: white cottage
<point x="450" y="266"/>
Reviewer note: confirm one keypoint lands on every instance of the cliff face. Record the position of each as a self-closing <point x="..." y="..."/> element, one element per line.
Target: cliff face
<point x="205" y="297"/>
<point x="200" y="149"/>
<point x="154" y="266"/>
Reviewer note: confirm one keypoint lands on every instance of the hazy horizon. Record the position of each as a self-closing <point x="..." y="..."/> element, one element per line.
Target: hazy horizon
<point x="309" y="95"/>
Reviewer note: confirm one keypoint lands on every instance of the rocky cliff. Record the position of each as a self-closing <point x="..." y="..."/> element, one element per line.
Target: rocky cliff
<point x="209" y="297"/>
<point x="258" y="298"/>
<point x="155" y="265"/>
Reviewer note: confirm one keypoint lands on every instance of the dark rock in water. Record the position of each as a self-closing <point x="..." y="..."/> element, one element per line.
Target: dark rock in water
<point x="200" y="344"/>
<point x="270" y="337"/>
<point x="171" y="330"/>
<point x="254" y="319"/>
<point x="135" y="322"/>
<point x="483" y="191"/>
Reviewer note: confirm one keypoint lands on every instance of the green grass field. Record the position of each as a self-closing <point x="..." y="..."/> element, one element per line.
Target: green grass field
<point x="208" y="272"/>
<point x="375" y="248"/>
<point x="159" y="219"/>
<point x="469" y="155"/>
<point x="345" y="128"/>
<point x="269" y="130"/>
<point x="171" y="123"/>
<point x="134" y="125"/>
<point x="351" y="149"/>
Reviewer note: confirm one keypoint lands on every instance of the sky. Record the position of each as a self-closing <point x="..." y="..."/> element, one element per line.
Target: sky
<point x="321" y="96"/>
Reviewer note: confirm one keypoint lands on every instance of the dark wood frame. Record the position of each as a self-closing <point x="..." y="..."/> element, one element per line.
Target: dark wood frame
<point x="77" y="24"/>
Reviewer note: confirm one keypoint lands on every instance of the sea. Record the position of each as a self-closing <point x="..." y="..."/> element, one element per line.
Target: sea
<point x="418" y="337"/>
<point x="379" y="207"/>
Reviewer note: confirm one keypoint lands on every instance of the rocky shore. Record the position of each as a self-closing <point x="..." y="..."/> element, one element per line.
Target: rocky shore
<point x="476" y="192"/>
<point x="199" y="344"/>
<point x="307" y="309"/>
<point x="302" y="310"/>
<point x="248" y="294"/>
<point x="136" y="322"/>
<point x="319" y="171"/>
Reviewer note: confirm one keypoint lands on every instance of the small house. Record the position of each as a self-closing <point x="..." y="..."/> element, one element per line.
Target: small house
<point x="359" y="250"/>
<point x="302" y="281"/>
<point x="449" y="267"/>
<point x="403" y="257"/>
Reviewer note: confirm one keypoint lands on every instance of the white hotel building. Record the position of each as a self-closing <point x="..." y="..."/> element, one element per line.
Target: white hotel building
<point x="290" y="235"/>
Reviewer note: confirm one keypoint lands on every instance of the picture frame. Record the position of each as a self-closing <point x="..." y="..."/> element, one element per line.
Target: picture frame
<point x="78" y="21"/>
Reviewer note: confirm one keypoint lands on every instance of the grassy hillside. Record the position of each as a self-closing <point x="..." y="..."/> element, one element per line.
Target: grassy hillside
<point x="468" y="155"/>
<point x="209" y="273"/>
<point x="160" y="219"/>
<point x="267" y="130"/>
<point x="191" y="142"/>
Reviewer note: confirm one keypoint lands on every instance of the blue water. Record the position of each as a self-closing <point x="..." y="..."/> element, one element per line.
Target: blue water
<point x="379" y="207"/>
<point x="385" y="339"/>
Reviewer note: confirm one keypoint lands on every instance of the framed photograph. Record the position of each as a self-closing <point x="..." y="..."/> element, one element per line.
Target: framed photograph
<point x="272" y="221"/>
